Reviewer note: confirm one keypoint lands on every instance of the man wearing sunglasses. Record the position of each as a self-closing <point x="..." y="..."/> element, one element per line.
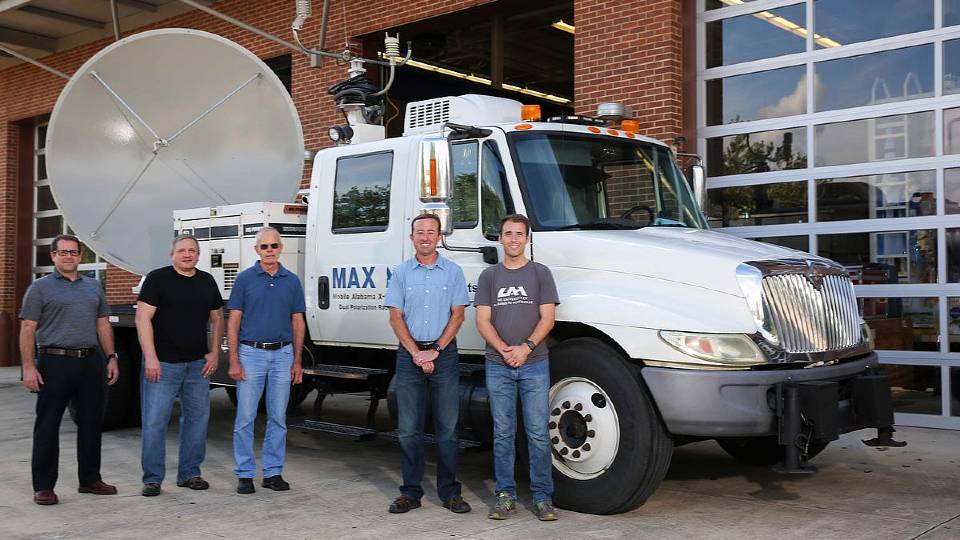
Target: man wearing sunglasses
<point x="265" y="335"/>
<point x="64" y="318"/>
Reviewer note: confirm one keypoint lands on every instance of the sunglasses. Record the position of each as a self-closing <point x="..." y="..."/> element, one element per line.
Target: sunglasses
<point x="274" y="245"/>
<point x="65" y="252"/>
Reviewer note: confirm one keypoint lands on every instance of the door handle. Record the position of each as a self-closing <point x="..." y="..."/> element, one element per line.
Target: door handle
<point x="323" y="287"/>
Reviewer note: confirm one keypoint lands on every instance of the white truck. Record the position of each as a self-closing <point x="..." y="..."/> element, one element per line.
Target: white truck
<point x="667" y="333"/>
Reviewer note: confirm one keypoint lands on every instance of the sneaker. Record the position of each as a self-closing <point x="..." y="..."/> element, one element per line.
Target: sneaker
<point x="545" y="511"/>
<point x="150" y="490"/>
<point x="245" y="486"/>
<point x="403" y="504"/>
<point x="276" y="483"/>
<point x="506" y="503"/>
<point x="457" y="505"/>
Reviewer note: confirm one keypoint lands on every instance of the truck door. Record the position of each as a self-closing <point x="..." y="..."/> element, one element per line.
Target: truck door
<point x="356" y="236"/>
<point x="481" y="197"/>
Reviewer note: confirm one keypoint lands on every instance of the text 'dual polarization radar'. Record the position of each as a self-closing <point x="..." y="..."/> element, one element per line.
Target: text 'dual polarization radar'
<point x="164" y="120"/>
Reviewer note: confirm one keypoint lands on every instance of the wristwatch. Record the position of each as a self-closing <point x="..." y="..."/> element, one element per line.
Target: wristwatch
<point x="437" y="347"/>
<point x="531" y="344"/>
<point x="112" y="356"/>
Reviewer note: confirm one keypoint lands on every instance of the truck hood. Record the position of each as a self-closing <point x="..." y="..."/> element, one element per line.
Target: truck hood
<point x="698" y="258"/>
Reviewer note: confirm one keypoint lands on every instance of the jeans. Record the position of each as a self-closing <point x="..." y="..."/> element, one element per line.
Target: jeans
<point x="442" y="388"/>
<point x="270" y="369"/>
<point x="156" y="404"/>
<point x="82" y="380"/>
<point x="533" y="383"/>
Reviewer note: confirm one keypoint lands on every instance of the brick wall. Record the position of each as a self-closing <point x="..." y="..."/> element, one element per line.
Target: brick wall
<point x="631" y="52"/>
<point x="625" y="51"/>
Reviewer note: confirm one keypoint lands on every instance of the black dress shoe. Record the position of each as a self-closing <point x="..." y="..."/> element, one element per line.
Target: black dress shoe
<point x="403" y="504"/>
<point x="45" y="497"/>
<point x="276" y="483"/>
<point x="150" y="490"/>
<point x="245" y="486"/>
<point x="457" y="505"/>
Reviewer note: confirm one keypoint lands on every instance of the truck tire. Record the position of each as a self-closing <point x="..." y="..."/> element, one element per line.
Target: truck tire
<point x="762" y="451"/>
<point x="610" y="449"/>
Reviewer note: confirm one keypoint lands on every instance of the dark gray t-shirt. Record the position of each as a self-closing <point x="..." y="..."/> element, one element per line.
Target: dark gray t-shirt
<point x="66" y="311"/>
<point x="515" y="297"/>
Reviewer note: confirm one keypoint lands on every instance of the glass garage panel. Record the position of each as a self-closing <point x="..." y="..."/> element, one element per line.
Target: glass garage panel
<point x="762" y="151"/>
<point x="905" y="194"/>
<point x="765" y="34"/>
<point x="915" y="389"/>
<point x="875" y="139"/>
<point x="799" y="243"/>
<point x="903" y="324"/>
<point x="756" y="96"/>
<point x="767" y="204"/>
<point x="888" y="257"/>
<point x="841" y="22"/>
<point x="871" y="79"/>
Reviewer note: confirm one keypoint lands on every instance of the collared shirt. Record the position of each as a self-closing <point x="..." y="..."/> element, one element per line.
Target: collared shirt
<point x="65" y="311"/>
<point x="267" y="303"/>
<point x="426" y="295"/>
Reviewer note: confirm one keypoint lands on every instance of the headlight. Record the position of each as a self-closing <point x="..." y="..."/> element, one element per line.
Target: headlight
<point x="732" y="349"/>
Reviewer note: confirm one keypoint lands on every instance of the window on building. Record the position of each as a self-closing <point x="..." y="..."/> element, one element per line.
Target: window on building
<point x="48" y="221"/>
<point x="361" y="196"/>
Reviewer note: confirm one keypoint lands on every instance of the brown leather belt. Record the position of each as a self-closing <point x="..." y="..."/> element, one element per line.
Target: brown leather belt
<point x="59" y="351"/>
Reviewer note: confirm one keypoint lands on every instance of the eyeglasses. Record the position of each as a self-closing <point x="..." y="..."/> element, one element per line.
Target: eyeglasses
<point x="65" y="252"/>
<point x="274" y="245"/>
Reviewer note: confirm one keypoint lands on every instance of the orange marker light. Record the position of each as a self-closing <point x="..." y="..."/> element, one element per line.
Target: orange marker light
<point x="523" y="126"/>
<point x="530" y="113"/>
<point x="433" y="178"/>
<point x="593" y="129"/>
<point x="630" y="125"/>
<point x="613" y="132"/>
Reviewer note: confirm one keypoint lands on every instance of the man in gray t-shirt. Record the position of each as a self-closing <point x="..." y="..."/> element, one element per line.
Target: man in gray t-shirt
<point x="516" y="301"/>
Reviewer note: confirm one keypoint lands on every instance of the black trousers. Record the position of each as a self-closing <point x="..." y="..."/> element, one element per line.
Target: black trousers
<point x="65" y="379"/>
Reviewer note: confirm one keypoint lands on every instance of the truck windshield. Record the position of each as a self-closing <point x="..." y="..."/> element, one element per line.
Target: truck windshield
<point x="580" y="181"/>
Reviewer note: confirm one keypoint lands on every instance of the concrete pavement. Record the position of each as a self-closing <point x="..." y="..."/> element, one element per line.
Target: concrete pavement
<point x="341" y="489"/>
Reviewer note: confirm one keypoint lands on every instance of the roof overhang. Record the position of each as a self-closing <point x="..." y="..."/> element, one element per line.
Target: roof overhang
<point x="38" y="28"/>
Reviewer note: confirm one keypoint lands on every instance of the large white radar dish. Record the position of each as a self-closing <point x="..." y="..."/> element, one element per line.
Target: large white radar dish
<point x="162" y="120"/>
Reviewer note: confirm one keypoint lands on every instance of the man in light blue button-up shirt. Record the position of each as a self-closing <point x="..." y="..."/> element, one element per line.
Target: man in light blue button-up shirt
<point x="427" y="297"/>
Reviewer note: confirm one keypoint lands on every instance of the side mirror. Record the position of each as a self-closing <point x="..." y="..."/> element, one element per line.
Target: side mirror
<point x="699" y="179"/>
<point x="435" y="180"/>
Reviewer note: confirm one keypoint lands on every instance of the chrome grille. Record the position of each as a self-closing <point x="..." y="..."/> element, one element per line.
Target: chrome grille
<point x="808" y="318"/>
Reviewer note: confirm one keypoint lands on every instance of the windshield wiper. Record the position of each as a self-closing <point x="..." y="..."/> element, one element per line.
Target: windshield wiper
<point x="604" y="224"/>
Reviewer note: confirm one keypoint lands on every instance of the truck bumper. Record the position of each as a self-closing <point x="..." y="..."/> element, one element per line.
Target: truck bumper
<point x="712" y="403"/>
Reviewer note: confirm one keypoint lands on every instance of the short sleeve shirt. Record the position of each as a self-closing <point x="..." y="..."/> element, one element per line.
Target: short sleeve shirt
<point x="426" y="294"/>
<point x="65" y="311"/>
<point x="267" y="302"/>
<point x="515" y="297"/>
<point x="183" y="311"/>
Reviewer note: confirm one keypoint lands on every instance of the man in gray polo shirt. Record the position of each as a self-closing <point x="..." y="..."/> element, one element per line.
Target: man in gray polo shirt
<point x="64" y="316"/>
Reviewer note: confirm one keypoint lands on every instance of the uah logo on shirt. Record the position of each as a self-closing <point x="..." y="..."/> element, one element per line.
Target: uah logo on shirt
<point x="506" y="292"/>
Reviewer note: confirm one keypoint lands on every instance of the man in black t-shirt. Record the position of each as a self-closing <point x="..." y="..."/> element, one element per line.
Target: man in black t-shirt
<point x="176" y="305"/>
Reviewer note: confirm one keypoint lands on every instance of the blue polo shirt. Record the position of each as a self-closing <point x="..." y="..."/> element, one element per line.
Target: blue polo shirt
<point x="267" y="303"/>
<point x="426" y="295"/>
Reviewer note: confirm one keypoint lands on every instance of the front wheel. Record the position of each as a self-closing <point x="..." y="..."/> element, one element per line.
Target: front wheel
<point x="610" y="450"/>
